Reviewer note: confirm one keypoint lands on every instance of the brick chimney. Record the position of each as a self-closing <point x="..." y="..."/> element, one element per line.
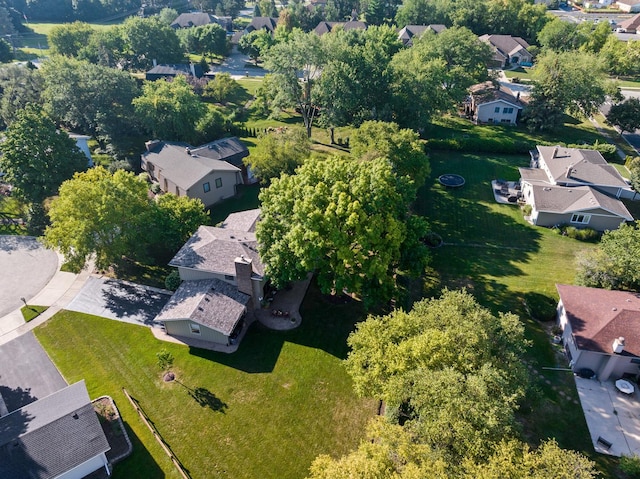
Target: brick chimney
<point x="244" y="270"/>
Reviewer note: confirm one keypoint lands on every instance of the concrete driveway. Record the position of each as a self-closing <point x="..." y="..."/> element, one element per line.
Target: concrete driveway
<point x="26" y="268"/>
<point x="26" y="373"/>
<point x="119" y="300"/>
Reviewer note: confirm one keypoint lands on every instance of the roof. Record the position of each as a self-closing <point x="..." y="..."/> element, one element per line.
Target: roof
<point x="505" y="44"/>
<point x="48" y="437"/>
<point x="599" y="316"/>
<point x="632" y="23"/>
<point x="406" y="34"/>
<point x="242" y="220"/>
<point x="231" y="150"/>
<point x="177" y="69"/>
<point x="213" y="303"/>
<point x="534" y="175"/>
<point x="326" y="27"/>
<point x="184" y="169"/>
<point x="262" y="23"/>
<point x="195" y="19"/>
<point x="488" y="92"/>
<point x="563" y="200"/>
<point x="214" y="250"/>
<point x="579" y="166"/>
<point x="628" y="2"/>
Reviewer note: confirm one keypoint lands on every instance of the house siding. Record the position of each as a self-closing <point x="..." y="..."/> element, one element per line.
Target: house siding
<point x="85" y="468"/>
<point x="597" y="222"/>
<point x="188" y="274"/>
<point x="228" y="189"/>
<point x="486" y="113"/>
<point x="183" y="328"/>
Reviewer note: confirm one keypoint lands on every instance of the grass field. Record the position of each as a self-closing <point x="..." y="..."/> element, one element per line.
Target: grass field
<point x="265" y="411"/>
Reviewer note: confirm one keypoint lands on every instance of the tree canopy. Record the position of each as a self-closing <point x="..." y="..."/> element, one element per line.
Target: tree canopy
<point x="68" y="39"/>
<point x="625" y="115"/>
<point x="279" y="152"/>
<point x="19" y="87"/>
<point x="37" y="157"/>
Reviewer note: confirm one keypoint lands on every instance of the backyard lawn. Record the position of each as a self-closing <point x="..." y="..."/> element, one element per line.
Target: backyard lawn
<point x="265" y="411"/>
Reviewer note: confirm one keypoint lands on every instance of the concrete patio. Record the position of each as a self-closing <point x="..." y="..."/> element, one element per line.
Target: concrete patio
<point x="612" y="417"/>
<point x="503" y="190"/>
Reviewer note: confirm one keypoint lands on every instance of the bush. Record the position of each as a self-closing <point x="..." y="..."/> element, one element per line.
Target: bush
<point x="526" y="210"/>
<point x="580" y="234"/>
<point x="172" y="281"/>
<point x="630" y="465"/>
<point x="155" y="188"/>
<point x="502" y="145"/>
<point x="165" y="359"/>
<point x="540" y="307"/>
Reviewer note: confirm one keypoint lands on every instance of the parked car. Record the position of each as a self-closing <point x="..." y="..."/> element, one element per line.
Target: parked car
<point x="620" y="30"/>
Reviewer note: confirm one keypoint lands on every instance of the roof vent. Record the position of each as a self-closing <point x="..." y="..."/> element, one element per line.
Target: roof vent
<point x="75" y="415"/>
<point x="618" y="345"/>
<point x="187" y="150"/>
<point x="628" y="300"/>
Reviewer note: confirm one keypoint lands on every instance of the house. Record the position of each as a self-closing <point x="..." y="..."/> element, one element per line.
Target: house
<point x="631" y="25"/>
<point x="201" y="172"/>
<point x="198" y="19"/>
<point x="508" y="50"/>
<point x="58" y="436"/>
<point x="257" y="23"/>
<point x="600" y="330"/>
<point x="576" y="187"/>
<point x="492" y="103"/>
<point x="629" y="6"/>
<point x="159" y="72"/>
<point x="326" y="27"/>
<point x="223" y="283"/>
<point x="406" y="34"/>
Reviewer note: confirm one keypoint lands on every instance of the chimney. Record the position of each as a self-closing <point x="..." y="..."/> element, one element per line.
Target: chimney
<point x="569" y="169"/>
<point x="555" y="152"/>
<point x="618" y="345"/>
<point x="192" y="67"/>
<point x="244" y="270"/>
<point x="155" y="63"/>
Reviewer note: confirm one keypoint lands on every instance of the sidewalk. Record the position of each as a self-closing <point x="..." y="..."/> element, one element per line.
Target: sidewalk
<point x="59" y="292"/>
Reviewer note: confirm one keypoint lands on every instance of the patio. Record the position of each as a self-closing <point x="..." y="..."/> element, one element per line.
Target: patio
<point x="613" y="418"/>
<point x="506" y="192"/>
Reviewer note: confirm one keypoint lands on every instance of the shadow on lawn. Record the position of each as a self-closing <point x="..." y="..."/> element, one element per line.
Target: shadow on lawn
<point x="140" y="463"/>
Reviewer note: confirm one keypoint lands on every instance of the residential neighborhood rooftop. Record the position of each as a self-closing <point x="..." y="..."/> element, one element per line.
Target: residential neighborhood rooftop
<point x="606" y="316"/>
<point x="488" y="92"/>
<point x="242" y="220"/>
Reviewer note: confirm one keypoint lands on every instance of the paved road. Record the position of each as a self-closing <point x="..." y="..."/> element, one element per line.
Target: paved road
<point x="239" y="65"/>
<point x="113" y="299"/>
<point x="26" y="372"/>
<point x="26" y="267"/>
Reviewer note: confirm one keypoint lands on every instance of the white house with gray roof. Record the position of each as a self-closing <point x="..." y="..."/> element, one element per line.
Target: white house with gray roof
<point x="575" y="187"/>
<point x="209" y="172"/>
<point x="223" y="282"/>
<point x="58" y="436"/>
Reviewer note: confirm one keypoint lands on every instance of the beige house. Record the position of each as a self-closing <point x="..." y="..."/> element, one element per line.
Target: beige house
<point x="575" y="187"/>
<point x="508" y="50"/>
<point x="204" y="172"/>
<point x="223" y="282"/>
<point x="601" y="330"/>
<point x="628" y="6"/>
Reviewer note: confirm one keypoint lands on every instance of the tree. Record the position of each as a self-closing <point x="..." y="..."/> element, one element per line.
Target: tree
<point x="279" y="152"/>
<point x="169" y="109"/>
<point x="377" y="139"/>
<point x="37" y="157"/>
<point x="106" y="48"/>
<point x="99" y="213"/>
<point x="68" y="39"/>
<point x="222" y="88"/>
<point x="625" y="115"/>
<point x="19" y="87"/>
<point x="296" y="64"/>
<point x="168" y="15"/>
<point x="148" y="39"/>
<point x="615" y="263"/>
<point x="255" y="44"/>
<point x="6" y="52"/>
<point x="633" y="165"/>
<point x="211" y="40"/>
<point x="560" y="36"/>
<point x="621" y="58"/>
<point x="90" y="98"/>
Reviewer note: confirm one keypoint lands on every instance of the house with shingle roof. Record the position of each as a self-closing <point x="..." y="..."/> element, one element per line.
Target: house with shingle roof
<point x="576" y="187"/>
<point x="58" y="436"/>
<point x="198" y="19"/>
<point x="209" y="172"/>
<point x="257" y="23"/>
<point x="508" y="50"/>
<point x="222" y="282"/>
<point x="492" y="103"/>
<point x="410" y="32"/>
<point x="629" y="6"/>
<point x="601" y="330"/>
<point x="631" y="25"/>
<point x="163" y="72"/>
<point x="327" y="27"/>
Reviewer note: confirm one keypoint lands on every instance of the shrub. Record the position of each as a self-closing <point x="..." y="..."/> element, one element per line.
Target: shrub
<point x="630" y="465"/>
<point x="526" y="210"/>
<point x="172" y="281"/>
<point x="540" y="307"/>
<point x="502" y="145"/>
<point x="155" y="188"/>
<point x="165" y="359"/>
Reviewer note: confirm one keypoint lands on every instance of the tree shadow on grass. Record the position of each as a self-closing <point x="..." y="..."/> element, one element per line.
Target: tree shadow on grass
<point x="140" y="463"/>
<point x="206" y="398"/>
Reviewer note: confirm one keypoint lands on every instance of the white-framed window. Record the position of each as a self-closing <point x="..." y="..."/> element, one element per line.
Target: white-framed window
<point x="507" y="110"/>
<point x="206" y="187"/>
<point x="580" y="218"/>
<point x="218" y="182"/>
<point x="194" y="328"/>
<point x="496" y="109"/>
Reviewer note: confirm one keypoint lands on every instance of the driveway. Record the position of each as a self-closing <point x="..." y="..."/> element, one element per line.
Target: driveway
<point x="119" y="300"/>
<point x="26" y="373"/>
<point x="26" y="268"/>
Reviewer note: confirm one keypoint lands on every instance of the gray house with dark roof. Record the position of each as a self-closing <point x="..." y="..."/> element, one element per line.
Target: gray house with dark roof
<point x="160" y="72"/>
<point x="257" y="23"/>
<point x="508" y="50"/>
<point x="58" y="436"/>
<point x="410" y="32"/>
<point x="207" y="172"/>
<point x="223" y="282"/>
<point x="198" y="19"/>
<point x="576" y="187"/>
<point x="327" y="27"/>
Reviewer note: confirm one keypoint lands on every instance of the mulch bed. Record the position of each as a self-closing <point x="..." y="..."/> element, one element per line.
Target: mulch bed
<point x="108" y="416"/>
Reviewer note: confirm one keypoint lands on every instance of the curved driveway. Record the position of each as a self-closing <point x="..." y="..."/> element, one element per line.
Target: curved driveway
<point x="25" y="268"/>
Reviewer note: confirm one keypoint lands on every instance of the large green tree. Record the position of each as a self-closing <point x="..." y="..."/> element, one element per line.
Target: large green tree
<point x="148" y="39"/>
<point x="615" y="263"/>
<point x="341" y="218"/>
<point x="625" y="115"/>
<point x="279" y="151"/>
<point x="37" y="157"/>
<point x="68" y="39"/>
<point x="6" y="52"/>
<point x="169" y="109"/>
<point x="19" y="87"/>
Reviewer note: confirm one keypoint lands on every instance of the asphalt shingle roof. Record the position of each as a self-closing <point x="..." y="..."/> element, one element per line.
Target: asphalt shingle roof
<point x="487" y="92"/>
<point x="560" y="199"/>
<point x="406" y="34"/>
<point x="48" y="437"/>
<point x="231" y="150"/>
<point x="505" y="44"/>
<point x="242" y="220"/>
<point x="196" y="19"/>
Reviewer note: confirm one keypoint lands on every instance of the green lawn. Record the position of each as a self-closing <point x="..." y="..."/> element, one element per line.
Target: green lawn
<point x="520" y="72"/>
<point x="503" y="260"/>
<point x="265" y="411"/>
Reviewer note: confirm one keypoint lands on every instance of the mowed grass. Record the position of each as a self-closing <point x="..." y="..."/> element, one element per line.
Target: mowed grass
<point x="265" y="411"/>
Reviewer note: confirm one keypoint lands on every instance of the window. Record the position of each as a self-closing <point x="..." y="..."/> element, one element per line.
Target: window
<point x="218" y="182"/>
<point x="505" y="120"/>
<point x="207" y="187"/>
<point x="580" y="218"/>
<point x="195" y="328"/>
<point x="635" y="361"/>
<point x="497" y="109"/>
<point x="507" y="110"/>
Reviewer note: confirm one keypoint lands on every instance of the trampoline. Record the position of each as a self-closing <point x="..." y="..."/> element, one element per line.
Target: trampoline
<point x="451" y="180"/>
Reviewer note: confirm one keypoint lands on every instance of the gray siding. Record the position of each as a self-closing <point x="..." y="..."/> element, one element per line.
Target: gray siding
<point x="599" y="223"/>
<point x="188" y="274"/>
<point x="228" y="189"/>
<point x="183" y="328"/>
